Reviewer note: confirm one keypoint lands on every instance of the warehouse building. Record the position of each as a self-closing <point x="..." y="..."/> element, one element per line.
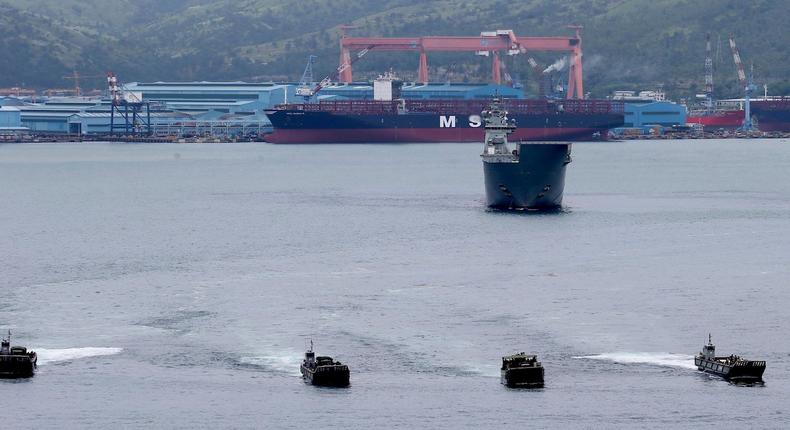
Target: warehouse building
<point x="239" y="98"/>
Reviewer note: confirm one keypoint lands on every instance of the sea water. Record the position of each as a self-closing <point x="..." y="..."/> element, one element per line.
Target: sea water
<point x="177" y="286"/>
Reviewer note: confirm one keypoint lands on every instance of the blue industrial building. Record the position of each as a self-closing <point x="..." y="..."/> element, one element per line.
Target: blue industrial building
<point x="11" y="123"/>
<point x="174" y="114"/>
<point x="53" y="115"/>
<point x="10" y="117"/>
<point x="654" y="113"/>
<point x="649" y="112"/>
<point x="239" y="98"/>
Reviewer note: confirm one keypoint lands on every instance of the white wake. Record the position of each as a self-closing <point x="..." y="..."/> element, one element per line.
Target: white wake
<point x="284" y="363"/>
<point x="46" y="356"/>
<point x="656" y="358"/>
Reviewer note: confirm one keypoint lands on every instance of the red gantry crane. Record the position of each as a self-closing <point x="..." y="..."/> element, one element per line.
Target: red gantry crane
<point x="491" y="43"/>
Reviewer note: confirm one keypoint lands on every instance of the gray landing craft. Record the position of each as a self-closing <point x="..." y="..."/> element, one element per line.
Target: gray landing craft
<point x="324" y="371"/>
<point x="16" y="361"/>
<point x="522" y="371"/>
<point x="732" y="368"/>
<point x="531" y="176"/>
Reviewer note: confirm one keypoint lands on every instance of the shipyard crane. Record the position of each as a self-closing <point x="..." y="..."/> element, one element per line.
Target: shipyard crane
<point x="304" y="90"/>
<point x="75" y="76"/>
<point x="128" y="106"/>
<point x="340" y="69"/>
<point x="488" y="43"/>
<point x="708" y="76"/>
<point x="746" y="85"/>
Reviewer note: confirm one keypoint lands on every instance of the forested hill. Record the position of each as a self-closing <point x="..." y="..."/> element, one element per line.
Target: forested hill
<point x="628" y="44"/>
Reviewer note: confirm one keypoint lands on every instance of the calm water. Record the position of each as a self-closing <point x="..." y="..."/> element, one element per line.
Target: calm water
<point x="175" y="285"/>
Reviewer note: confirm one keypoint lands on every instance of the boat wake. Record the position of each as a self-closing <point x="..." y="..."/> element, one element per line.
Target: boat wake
<point x="46" y="356"/>
<point x="655" y="358"/>
<point x="288" y="364"/>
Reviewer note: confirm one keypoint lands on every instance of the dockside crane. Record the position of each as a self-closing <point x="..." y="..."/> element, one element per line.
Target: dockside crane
<point x="304" y="90"/>
<point x="130" y="107"/>
<point x="708" y="75"/>
<point x="340" y="69"/>
<point x="747" y="86"/>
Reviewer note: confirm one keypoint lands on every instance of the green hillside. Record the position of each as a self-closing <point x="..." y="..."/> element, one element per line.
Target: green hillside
<point x="628" y="44"/>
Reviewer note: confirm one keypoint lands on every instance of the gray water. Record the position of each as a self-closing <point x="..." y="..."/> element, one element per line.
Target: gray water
<point x="175" y="286"/>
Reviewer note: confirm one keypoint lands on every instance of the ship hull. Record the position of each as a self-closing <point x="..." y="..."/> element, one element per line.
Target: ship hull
<point x="772" y="115"/>
<point x="424" y="135"/>
<point x="534" y="181"/>
<point x="438" y="121"/>
<point x="15" y="366"/>
<point x="727" y="120"/>
<point x="527" y="377"/>
<point x="740" y="372"/>
<point x="326" y="376"/>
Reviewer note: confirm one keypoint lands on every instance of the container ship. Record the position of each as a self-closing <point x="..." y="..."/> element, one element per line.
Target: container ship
<point x="391" y="119"/>
<point x="773" y="114"/>
<point x="373" y="121"/>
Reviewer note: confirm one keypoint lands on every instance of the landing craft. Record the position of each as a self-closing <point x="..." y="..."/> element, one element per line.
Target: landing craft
<point x="324" y="371"/>
<point x="732" y="368"/>
<point x="16" y="361"/>
<point x="522" y="371"/>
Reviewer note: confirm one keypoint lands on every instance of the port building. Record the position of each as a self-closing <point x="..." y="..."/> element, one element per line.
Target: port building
<point x="10" y="117"/>
<point x="654" y="113"/>
<point x="238" y="98"/>
<point x="649" y="111"/>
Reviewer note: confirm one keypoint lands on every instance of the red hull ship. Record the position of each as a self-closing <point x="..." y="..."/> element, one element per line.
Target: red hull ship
<point x="720" y="119"/>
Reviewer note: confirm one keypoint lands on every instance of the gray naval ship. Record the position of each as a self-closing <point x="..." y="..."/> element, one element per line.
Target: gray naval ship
<point x="529" y="177"/>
